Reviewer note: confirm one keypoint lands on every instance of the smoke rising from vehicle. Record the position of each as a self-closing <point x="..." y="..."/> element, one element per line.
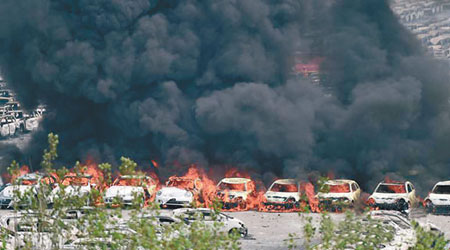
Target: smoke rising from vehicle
<point x="209" y="82"/>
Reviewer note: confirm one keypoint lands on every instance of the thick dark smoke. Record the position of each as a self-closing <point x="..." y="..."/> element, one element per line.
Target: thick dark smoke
<point x="210" y="82"/>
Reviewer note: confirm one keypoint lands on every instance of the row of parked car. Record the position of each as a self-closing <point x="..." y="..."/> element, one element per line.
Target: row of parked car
<point x="25" y="228"/>
<point x="234" y="192"/>
<point x="14" y="120"/>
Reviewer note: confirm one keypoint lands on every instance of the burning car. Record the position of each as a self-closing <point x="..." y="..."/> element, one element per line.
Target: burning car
<point x="394" y="195"/>
<point x="77" y="186"/>
<point x="339" y="192"/>
<point x="438" y="201"/>
<point x="179" y="191"/>
<point x="210" y="217"/>
<point x="235" y="191"/>
<point x="284" y="192"/>
<point x="126" y="188"/>
<point x="26" y="184"/>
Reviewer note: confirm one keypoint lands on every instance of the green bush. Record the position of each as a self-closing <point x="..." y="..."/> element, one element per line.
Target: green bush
<point x="99" y="228"/>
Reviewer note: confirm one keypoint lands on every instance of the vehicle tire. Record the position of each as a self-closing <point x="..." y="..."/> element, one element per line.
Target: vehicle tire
<point x="236" y="231"/>
<point x="429" y="207"/>
<point x="402" y="205"/>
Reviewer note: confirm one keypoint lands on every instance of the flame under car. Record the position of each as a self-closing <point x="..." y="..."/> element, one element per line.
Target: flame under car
<point x="283" y="194"/>
<point x="339" y="193"/>
<point x="179" y="192"/>
<point x="234" y="192"/>
<point x="127" y="188"/>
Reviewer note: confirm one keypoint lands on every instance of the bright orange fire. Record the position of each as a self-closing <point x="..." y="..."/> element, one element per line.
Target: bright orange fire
<point x="155" y="164"/>
<point x="20" y="172"/>
<point x="340" y="188"/>
<point x="196" y="181"/>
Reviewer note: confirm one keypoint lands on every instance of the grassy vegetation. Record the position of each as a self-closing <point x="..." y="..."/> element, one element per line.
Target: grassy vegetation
<point x="100" y="228"/>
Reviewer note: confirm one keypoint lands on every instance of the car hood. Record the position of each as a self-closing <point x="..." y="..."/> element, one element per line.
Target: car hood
<point x="389" y="195"/>
<point x="235" y="193"/>
<point x="122" y="191"/>
<point x="73" y="190"/>
<point x="8" y="192"/>
<point x="282" y="194"/>
<point x="333" y="195"/>
<point x="172" y="191"/>
<point x="433" y="196"/>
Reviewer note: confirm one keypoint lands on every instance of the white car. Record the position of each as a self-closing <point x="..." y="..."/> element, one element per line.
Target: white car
<point x="179" y="191"/>
<point x="208" y="216"/>
<point x="397" y="195"/>
<point x="235" y="191"/>
<point x="438" y="200"/>
<point x="79" y="186"/>
<point x="339" y="192"/>
<point x="127" y="187"/>
<point x="26" y="184"/>
<point x="284" y="192"/>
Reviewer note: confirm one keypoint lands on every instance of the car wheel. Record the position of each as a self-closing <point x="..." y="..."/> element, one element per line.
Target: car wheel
<point x="429" y="206"/>
<point x="236" y="232"/>
<point x="402" y="205"/>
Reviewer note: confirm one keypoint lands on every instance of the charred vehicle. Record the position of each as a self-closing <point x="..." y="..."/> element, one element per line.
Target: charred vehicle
<point x="23" y="187"/>
<point x="126" y="188"/>
<point x="75" y="187"/>
<point x="210" y="217"/>
<point x="394" y="195"/>
<point x="283" y="193"/>
<point x="234" y="192"/>
<point x="339" y="193"/>
<point x="179" y="191"/>
<point x="438" y="201"/>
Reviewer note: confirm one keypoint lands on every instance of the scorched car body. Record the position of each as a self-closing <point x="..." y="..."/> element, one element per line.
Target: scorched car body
<point x="438" y="201"/>
<point x="126" y="188"/>
<point x="398" y="196"/>
<point x="179" y="191"/>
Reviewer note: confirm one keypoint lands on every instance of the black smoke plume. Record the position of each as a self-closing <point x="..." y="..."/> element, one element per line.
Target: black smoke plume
<point x="209" y="82"/>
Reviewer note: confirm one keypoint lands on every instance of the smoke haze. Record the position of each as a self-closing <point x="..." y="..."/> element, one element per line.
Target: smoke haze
<point x="209" y="82"/>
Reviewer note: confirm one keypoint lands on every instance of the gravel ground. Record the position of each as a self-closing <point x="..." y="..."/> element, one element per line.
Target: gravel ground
<point x="269" y="231"/>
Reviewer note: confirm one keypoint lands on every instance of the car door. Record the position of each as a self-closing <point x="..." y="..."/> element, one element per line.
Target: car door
<point x="356" y="191"/>
<point x="412" y="194"/>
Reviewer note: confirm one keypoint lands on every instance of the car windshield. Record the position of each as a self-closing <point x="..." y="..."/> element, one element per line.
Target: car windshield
<point x="129" y="182"/>
<point x="232" y="186"/>
<point x="183" y="183"/>
<point x="277" y="187"/>
<point x="75" y="181"/>
<point x="441" y="189"/>
<point x="340" y="188"/>
<point x="391" y="188"/>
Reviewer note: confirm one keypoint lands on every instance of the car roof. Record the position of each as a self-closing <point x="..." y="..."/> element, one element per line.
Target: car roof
<point x="446" y="183"/>
<point x="393" y="183"/>
<point x="30" y="176"/>
<point x="235" y="180"/>
<point x="134" y="177"/>
<point x="339" y="181"/>
<point x="182" y="178"/>
<point x="286" y="181"/>
<point x="88" y="176"/>
<point x="184" y="210"/>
